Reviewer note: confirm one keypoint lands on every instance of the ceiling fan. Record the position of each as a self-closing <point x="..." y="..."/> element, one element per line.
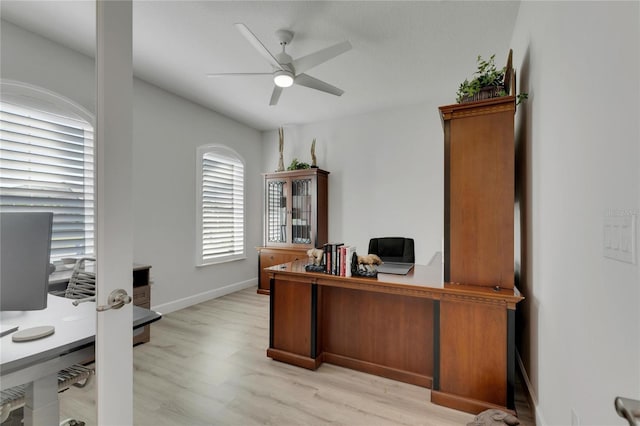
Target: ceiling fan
<point x="288" y="71"/>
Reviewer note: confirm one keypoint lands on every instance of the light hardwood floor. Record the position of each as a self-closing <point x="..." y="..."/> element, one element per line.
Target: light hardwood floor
<point x="207" y="365"/>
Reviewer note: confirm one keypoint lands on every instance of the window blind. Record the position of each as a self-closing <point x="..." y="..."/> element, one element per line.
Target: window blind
<point x="46" y="164"/>
<point x="222" y="207"/>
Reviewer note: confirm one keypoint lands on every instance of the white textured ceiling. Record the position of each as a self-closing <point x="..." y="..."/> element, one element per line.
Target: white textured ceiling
<point x="404" y="52"/>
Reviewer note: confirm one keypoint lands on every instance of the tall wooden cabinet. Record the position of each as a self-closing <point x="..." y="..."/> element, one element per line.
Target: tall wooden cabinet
<point x="479" y="250"/>
<point x="479" y="192"/>
<point x="296" y="217"/>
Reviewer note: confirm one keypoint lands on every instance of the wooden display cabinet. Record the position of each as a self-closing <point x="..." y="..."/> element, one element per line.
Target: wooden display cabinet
<point x="296" y="217"/>
<point x="479" y="192"/>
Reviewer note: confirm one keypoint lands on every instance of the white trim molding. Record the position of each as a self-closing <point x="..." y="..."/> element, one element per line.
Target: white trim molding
<point x="185" y="302"/>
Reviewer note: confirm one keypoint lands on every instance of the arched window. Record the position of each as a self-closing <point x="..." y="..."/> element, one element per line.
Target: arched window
<point x="220" y="209"/>
<point x="47" y="164"/>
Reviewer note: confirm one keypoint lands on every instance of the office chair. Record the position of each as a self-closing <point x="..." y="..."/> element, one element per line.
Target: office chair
<point x="82" y="285"/>
<point x="393" y="249"/>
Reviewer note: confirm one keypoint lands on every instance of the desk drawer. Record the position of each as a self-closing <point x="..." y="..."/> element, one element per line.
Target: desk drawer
<point x="142" y="296"/>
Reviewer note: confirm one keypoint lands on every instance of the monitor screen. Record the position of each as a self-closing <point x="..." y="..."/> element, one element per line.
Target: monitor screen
<point x="25" y="247"/>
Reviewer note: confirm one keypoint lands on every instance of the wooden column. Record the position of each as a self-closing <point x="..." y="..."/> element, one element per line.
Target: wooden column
<point x="479" y="192"/>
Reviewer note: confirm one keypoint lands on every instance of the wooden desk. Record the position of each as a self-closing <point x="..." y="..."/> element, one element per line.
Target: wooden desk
<point x="458" y="340"/>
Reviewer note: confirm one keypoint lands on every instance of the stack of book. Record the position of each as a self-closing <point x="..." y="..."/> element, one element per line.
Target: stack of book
<point x="337" y="258"/>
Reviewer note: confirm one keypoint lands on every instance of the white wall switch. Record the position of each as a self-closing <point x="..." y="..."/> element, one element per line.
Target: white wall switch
<point x="619" y="238"/>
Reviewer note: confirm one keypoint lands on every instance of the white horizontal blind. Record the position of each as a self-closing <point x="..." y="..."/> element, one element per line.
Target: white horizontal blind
<point x="222" y="207"/>
<point x="46" y="164"/>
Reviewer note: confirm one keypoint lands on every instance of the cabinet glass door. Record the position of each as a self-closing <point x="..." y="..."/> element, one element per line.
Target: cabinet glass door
<point x="301" y="210"/>
<point x="276" y="211"/>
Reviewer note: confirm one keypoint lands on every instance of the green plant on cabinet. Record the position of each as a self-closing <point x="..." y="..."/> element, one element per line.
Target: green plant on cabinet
<point x="488" y="79"/>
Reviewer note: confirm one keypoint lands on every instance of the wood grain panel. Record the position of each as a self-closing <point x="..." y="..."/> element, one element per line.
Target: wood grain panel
<point x="385" y="326"/>
<point x="479" y="186"/>
<point x="292" y="317"/>
<point x="322" y="201"/>
<point x="275" y="256"/>
<point x="473" y="351"/>
<point x="378" y="329"/>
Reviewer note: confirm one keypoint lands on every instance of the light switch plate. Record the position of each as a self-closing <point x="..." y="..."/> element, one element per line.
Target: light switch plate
<point x="619" y="239"/>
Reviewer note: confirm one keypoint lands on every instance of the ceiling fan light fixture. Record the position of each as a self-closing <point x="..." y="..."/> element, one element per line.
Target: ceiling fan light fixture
<point x="283" y="78"/>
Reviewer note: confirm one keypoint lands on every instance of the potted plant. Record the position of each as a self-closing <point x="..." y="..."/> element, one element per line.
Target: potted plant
<point x="488" y="82"/>
<point x="297" y="165"/>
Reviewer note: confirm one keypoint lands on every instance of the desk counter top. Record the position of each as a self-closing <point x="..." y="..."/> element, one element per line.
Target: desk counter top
<point x="75" y="328"/>
<point x="421" y="281"/>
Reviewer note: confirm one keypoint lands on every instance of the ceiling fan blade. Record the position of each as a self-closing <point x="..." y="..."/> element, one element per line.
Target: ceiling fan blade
<point x="277" y="90"/>
<point x="313" y="83"/>
<point x="313" y="59"/>
<point x="238" y="74"/>
<point x="257" y="44"/>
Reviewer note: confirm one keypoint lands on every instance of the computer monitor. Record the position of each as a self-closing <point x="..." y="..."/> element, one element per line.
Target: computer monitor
<point x="25" y="248"/>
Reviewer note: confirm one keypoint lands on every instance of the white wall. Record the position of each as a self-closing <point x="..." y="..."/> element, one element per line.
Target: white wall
<point x="167" y="130"/>
<point x="386" y="174"/>
<point x="580" y="64"/>
<point x="32" y="59"/>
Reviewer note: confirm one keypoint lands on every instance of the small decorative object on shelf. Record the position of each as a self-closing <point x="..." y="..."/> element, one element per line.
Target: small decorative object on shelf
<point x="315" y="268"/>
<point x="369" y="261"/>
<point x="281" y="149"/>
<point x="316" y="255"/>
<point x="365" y="266"/>
<point x="365" y="274"/>
<point x="313" y="154"/>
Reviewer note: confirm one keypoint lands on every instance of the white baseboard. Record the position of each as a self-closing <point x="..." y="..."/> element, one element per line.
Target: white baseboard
<point x="185" y="302"/>
<point x="532" y="395"/>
